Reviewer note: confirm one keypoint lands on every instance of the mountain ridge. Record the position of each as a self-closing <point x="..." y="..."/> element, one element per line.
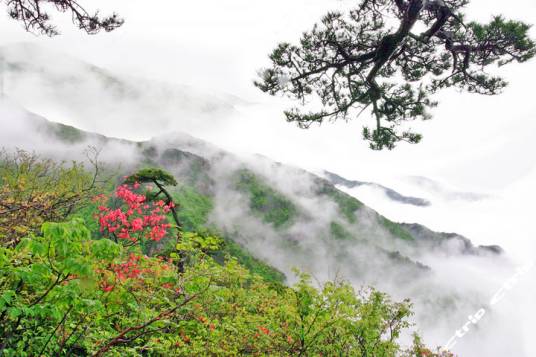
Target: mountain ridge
<point x="195" y="171"/>
<point x="390" y="193"/>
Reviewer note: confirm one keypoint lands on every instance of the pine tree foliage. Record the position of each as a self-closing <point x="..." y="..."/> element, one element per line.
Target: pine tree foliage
<point x="34" y="15"/>
<point x="389" y="57"/>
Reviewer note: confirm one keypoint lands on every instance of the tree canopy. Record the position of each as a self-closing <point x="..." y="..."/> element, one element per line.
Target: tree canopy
<point x="34" y="16"/>
<point x="388" y="57"/>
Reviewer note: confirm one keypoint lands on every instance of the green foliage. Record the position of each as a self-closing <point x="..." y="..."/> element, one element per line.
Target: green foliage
<point x="248" y="261"/>
<point x="193" y="242"/>
<point x="193" y="169"/>
<point x="45" y="279"/>
<point x="513" y="33"/>
<point x="193" y="213"/>
<point x="272" y="206"/>
<point x="348" y="205"/>
<point x="34" y="190"/>
<point x="67" y="133"/>
<point x="151" y="175"/>
<point x="194" y="207"/>
<point x="339" y="232"/>
<point x="396" y="229"/>
<point x="62" y="292"/>
<point x="36" y="18"/>
<point x="373" y="59"/>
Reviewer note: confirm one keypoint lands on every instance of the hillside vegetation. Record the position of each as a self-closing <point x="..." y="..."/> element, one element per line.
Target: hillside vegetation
<point x="97" y="259"/>
<point x="116" y="274"/>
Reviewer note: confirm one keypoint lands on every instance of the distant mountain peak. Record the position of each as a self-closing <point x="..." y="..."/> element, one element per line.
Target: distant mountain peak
<point x="445" y="192"/>
<point x="390" y="193"/>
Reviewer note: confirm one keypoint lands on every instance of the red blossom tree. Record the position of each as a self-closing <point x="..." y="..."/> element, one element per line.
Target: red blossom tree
<point x="135" y="218"/>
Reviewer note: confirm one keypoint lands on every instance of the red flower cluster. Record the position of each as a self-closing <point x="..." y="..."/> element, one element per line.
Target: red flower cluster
<point x="264" y="330"/>
<point x="135" y="218"/>
<point x="129" y="269"/>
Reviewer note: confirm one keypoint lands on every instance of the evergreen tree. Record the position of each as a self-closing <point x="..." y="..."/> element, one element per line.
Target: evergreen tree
<point x="376" y="58"/>
<point x="34" y="16"/>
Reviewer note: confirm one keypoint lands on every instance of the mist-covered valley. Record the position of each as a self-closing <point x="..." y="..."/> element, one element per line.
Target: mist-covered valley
<point x="387" y="234"/>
